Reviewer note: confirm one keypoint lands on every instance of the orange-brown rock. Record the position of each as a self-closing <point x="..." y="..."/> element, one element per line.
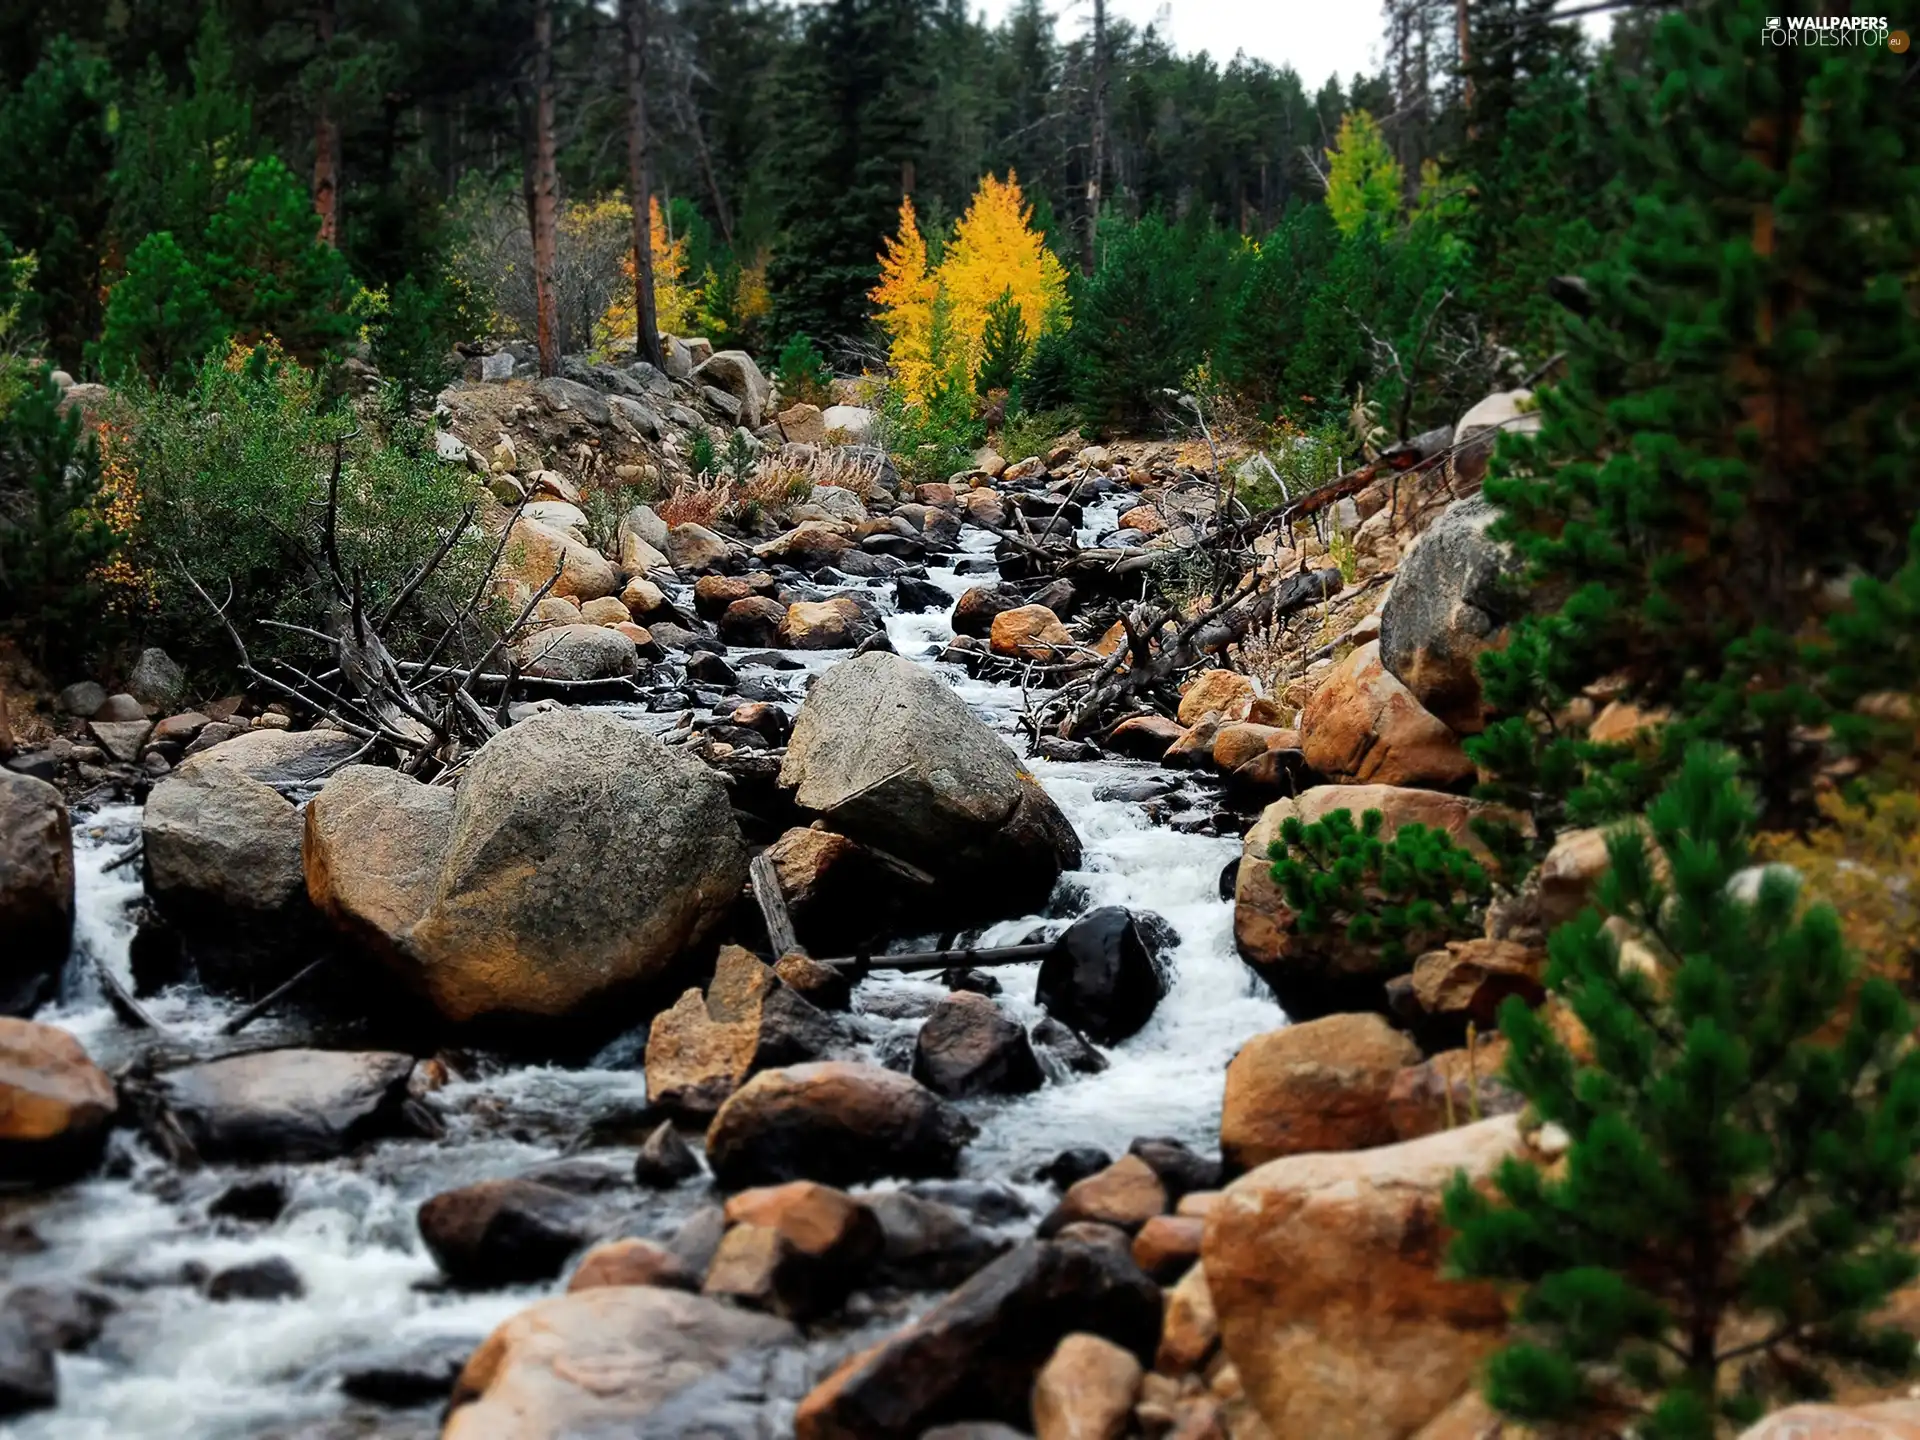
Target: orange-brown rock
<point x="1031" y="632"/>
<point x="1363" y="725"/>
<point x="631" y="1262"/>
<point x="1235" y="744"/>
<point x="533" y="550"/>
<point x="1225" y="693"/>
<point x="1452" y="1088"/>
<point x="1322" y="1085"/>
<point x="974" y="612"/>
<point x="638" y="634"/>
<point x="1143" y="518"/>
<point x="1145" y="737"/>
<point x="712" y="594"/>
<point x="1888" y="1420"/>
<point x="605" y="611"/>
<point x="1111" y="639"/>
<point x="836" y="624"/>
<point x="1322" y="974"/>
<point x="1567" y="877"/>
<point x="1467" y="981"/>
<point x="1085" y="1390"/>
<point x="1126" y="1194"/>
<point x="1326" y="1274"/>
<point x="55" y="1103"/>
<point x="817" y="1220"/>
<point x="1190" y="1330"/>
<point x="1167" y="1245"/>
<point x="695" y="1062"/>
<point x="1198" y="1203"/>
<point x="1622" y="723"/>
<point x="1195" y="746"/>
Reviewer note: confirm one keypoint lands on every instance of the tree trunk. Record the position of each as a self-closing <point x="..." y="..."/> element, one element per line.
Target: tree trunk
<point x="326" y="139"/>
<point x="640" y="183"/>
<point x="545" y="188"/>
<point x="1097" y="159"/>
<point x="1466" y="59"/>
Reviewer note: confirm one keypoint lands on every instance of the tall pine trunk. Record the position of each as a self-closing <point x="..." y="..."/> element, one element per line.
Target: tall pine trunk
<point x="1097" y="160"/>
<point x="545" y="191"/>
<point x="326" y="139"/>
<point x="640" y="182"/>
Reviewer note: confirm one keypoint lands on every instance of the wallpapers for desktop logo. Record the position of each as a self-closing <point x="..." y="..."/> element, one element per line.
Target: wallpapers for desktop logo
<point x="1858" y="32"/>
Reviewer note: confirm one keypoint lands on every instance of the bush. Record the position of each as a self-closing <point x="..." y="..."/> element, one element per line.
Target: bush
<point x="1727" y="1217"/>
<point x="933" y="440"/>
<point x="1031" y="433"/>
<point x="1407" y="895"/>
<point x="1047" y="381"/>
<point x="53" y="538"/>
<point x="413" y="342"/>
<point x="1003" y="346"/>
<point x="233" y="476"/>
<point x="161" y="322"/>
<point x="802" y="373"/>
<point x="268" y="271"/>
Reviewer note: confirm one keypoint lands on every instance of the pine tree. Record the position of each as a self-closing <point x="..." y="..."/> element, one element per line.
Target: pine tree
<point x="1741" y="1144"/>
<point x="802" y="373"/>
<point x="160" y="320"/>
<point x="1003" y="347"/>
<point x="1738" y="426"/>
<point x="268" y="270"/>
<point x="1266" y="326"/>
<point x="1364" y="181"/>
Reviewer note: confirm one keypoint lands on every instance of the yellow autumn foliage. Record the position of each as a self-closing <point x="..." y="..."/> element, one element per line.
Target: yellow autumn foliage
<point x="994" y="249"/>
<point x="675" y="302"/>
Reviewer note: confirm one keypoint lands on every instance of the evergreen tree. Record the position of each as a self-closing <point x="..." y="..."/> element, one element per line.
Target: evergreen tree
<point x="269" y="271"/>
<point x="802" y="373"/>
<point x="52" y="537"/>
<point x="1003" y="346"/>
<point x="1742" y="1144"/>
<point x="1738" y="426"/>
<point x="55" y="154"/>
<point x="160" y="320"/>
<point x="1364" y="182"/>
<point x="1266" y="326"/>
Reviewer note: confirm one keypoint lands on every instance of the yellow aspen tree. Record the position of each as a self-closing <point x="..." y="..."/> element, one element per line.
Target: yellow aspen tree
<point x="903" y="303"/>
<point x="674" y="301"/>
<point x="994" y="250"/>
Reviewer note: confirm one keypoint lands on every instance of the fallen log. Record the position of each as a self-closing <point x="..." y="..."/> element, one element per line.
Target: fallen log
<point x="916" y="961"/>
<point x="772" y="901"/>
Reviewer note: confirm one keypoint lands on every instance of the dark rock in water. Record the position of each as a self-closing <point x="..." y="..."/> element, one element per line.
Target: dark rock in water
<point x="928" y="1245"/>
<point x="835" y="1122"/>
<point x="1103" y="979"/>
<point x="697" y="1240"/>
<point x="1136" y="791"/>
<point x="504" y="1232"/>
<point x="769" y="660"/>
<point x="976" y="1353"/>
<point x="976" y="982"/>
<point x="28" y="1379"/>
<point x="916" y="597"/>
<point x="1180" y="1170"/>
<point x="288" y="1104"/>
<point x="664" y="1160"/>
<point x="582" y="1175"/>
<point x="1070" y="1167"/>
<point x="258" y="1202"/>
<point x="974" y="612"/>
<point x="975" y="1430"/>
<point x="1052" y="747"/>
<point x="36" y="890"/>
<point x="710" y="669"/>
<point x="269" y="1279"/>
<point x="978" y="565"/>
<point x="895" y="1052"/>
<point x="60" y="1317"/>
<point x="967" y="1047"/>
<point x="1068" y="1047"/>
<point x="1229" y="879"/>
<point x="992" y="1202"/>
<point x="878" y="641"/>
<point x="417" y="1375"/>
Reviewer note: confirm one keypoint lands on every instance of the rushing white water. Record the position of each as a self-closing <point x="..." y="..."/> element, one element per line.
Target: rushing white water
<point x="173" y="1364"/>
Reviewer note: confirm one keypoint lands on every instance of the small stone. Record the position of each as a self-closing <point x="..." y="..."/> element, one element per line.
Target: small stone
<point x="632" y="1262"/>
<point x="270" y="1279"/>
<point x="1167" y="1245"/>
<point x="1126" y="1194"/>
<point x="83" y="698"/>
<point x="1070" y="1167"/>
<point x="1085" y="1391"/>
<point x="664" y="1159"/>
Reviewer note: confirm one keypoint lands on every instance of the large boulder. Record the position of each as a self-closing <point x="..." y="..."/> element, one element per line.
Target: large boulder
<point x="835" y="1122"/>
<point x="808" y="546"/>
<point x="1447" y="605"/>
<point x="287" y="1104"/>
<point x="372" y="846"/>
<point x="55" y="1103"/>
<point x="1315" y="975"/>
<point x="36" y="890"/>
<point x="582" y="857"/>
<point x="976" y="1354"/>
<point x="967" y="1047"/>
<point x="1322" y="1085"/>
<point x="1482" y="426"/>
<point x="1326" y="1273"/>
<point x="1887" y="1420"/>
<point x="1363" y="726"/>
<point x="840" y="623"/>
<point x="734" y="372"/>
<point x="887" y="754"/>
<point x="1103" y="978"/>
<point x="578" y="652"/>
<point x="621" y="1359"/>
<point x="534" y="551"/>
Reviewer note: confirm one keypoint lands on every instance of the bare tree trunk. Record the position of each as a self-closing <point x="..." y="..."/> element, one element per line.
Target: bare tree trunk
<point x="1466" y="59"/>
<point x="1097" y="160"/>
<point x="326" y="139"/>
<point x="690" y="122"/>
<point x="546" y="187"/>
<point x="640" y="183"/>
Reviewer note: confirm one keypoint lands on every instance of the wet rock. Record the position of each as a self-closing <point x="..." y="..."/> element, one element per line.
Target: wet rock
<point x="794" y="1250"/>
<point x="1320" y="975"/>
<point x="36" y="890"/>
<point x="1145" y="737"/>
<point x="417" y="1374"/>
<point x="1179" y="1168"/>
<point x="712" y="594"/>
<point x="1362" y="725"/>
<point x="600" y="1360"/>
<point x="703" y="1049"/>
<point x="1449" y="603"/>
<point x="975" y="611"/>
<point x="1067" y="1048"/>
<point x="28" y="1379"/>
<point x="1102" y="979"/>
<point x="841" y="896"/>
<point x="835" y="1122"/>
<point x="706" y="668"/>
<point x="55" y="1104"/>
<point x="1085" y="1390"/>
<point x="503" y="1232"/>
<point x="155" y="680"/>
<point x="837" y="624"/>
<point x="752" y="621"/>
<point x="583" y="857"/>
<point x="59" y="1317"/>
<point x="255" y="1202"/>
<point x="967" y="1047"/>
<point x="1070" y="1167"/>
<point x="912" y="596"/>
<point x="665" y="1159"/>
<point x="271" y="1279"/>
<point x="697" y="1240"/>
<point x="632" y="1262"/>
<point x="1317" y="1086"/>
<point x="1168" y="1245"/>
<point x="288" y="1104"/>
<point x="1125" y="1195"/>
<point x="887" y="754"/>
<point x="577" y="652"/>
<point x="976" y="1353"/>
<point x="1030" y="632"/>
<point x="1326" y="1273"/>
<point x="927" y="1245"/>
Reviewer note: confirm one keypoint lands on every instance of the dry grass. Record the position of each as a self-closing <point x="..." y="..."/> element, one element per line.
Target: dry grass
<point x="699" y="502"/>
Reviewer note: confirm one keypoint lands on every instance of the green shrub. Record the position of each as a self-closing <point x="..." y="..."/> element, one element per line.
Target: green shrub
<point x="161" y="322"/>
<point x="1406" y="895"/>
<point x="701" y="459"/>
<point x="413" y="341"/>
<point x="802" y="373"/>
<point x="1030" y="433"/>
<point x="1047" y="381"/>
<point x="1003" y="346"/>
<point x="53" y="538"/>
